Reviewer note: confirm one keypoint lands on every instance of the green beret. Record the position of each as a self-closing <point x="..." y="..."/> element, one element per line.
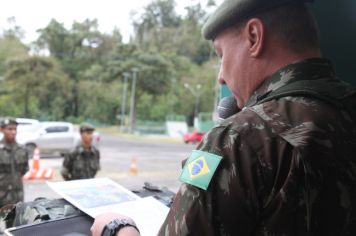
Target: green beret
<point x="231" y="12"/>
<point x="8" y="121"/>
<point x="86" y="127"/>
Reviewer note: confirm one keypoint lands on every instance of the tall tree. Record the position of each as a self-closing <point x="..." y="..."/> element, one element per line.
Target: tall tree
<point x="155" y="26"/>
<point x="77" y="49"/>
<point x="11" y="46"/>
<point x="34" y="81"/>
<point x="157" y="31"/>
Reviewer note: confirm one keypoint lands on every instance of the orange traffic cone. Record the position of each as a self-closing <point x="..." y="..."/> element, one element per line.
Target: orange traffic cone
<point x="133" y="167"/>
<point x="36" y="159"/>
<point x="34" y="165"/>
<point x="35" y="171"/>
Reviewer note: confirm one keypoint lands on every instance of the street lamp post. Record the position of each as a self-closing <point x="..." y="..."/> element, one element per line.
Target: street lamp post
<point x="217" y="87"/>
<point x="173" y="84"/>
<point x="132" y="103"/>
<point x="123" y="101"/>
<point x="196" y="94"/>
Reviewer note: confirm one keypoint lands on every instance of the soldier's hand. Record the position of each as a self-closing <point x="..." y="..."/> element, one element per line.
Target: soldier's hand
<point x="6" y="209"/>
<point x="103" y="219"/>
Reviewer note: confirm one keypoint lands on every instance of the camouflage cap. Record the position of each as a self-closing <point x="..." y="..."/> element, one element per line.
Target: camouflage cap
<point x="85" y="127"/>
<point x="231" y="12"/>
<point x="7" y="121"/>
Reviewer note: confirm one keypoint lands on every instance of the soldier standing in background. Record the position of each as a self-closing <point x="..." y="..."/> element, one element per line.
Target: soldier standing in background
<point x="13" y="164"/>
<point x="285" y="165"/>
<point x="84" y="161"/>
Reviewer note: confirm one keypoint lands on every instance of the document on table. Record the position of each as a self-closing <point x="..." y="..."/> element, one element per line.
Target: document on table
<point x="100" y="195"/>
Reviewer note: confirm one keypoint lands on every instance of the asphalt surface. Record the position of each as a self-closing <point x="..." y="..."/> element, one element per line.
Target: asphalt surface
<point x="158" y="161"/>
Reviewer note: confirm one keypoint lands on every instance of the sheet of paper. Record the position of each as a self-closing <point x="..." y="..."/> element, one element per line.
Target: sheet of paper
<point x="100" y="195"/>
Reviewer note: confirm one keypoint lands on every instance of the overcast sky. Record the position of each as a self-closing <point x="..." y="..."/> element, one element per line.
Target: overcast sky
<point x="31" y="15"/>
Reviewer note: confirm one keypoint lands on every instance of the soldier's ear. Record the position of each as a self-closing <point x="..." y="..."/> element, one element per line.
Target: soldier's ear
<point x="255" y="34"/>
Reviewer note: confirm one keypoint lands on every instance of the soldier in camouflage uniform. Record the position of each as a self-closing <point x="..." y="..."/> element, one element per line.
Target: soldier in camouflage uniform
<point x="13" y="164"/>
<point x="84" y="161"/>
<point x="286" y="164"/>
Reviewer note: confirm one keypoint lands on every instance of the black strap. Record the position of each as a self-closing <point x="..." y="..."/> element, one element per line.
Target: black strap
<point x="329" y="90"/>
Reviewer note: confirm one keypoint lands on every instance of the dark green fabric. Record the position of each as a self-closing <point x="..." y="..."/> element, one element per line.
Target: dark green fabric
<point x="13" y="165"/>
<point x="81" y="163"/>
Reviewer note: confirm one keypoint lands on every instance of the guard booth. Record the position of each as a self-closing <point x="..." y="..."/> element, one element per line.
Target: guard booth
<point x="337" y="24"/>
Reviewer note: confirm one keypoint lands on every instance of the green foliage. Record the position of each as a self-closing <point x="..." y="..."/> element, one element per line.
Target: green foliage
<point x="83" y="76"/>
<point x="160" y="29"/>
<point x="10" y="48"/>
<point x="150" y="108"/>
<point x="104" y="105"/>
<point x="38" y="85"/>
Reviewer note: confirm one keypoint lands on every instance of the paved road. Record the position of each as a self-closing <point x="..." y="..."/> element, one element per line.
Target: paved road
<point x="158" y="161"/>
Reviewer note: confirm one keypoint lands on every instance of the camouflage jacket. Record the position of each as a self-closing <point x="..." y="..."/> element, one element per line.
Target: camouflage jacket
<point x="81" y="163"/>
<point x="288" y="167"/>
<point x="13" y="165"/>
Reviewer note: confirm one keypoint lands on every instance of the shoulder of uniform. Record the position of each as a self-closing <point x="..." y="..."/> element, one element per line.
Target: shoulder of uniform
<point x="75" y="150"/>
<point x="199" y="168"/>
<point x="78" y="148"/>
<point x="21" y="146"/>
<point x="17" y="146"/>
<point x="245" y="120"/>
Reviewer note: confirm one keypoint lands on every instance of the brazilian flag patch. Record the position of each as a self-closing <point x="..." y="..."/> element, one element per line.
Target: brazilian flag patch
<point x="200" y="168"/>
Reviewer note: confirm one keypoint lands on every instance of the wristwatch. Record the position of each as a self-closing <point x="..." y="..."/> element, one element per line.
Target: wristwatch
<point x="114" y="226"/>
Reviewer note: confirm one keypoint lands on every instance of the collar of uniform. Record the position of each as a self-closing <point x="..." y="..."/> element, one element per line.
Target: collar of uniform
<point x="308" y="69"/>
<point x="7" y="146"/>
<point x="81" y="149"/>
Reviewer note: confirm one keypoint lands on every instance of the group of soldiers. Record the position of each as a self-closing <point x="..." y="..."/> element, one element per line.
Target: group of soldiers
<point x="81" y="163"/>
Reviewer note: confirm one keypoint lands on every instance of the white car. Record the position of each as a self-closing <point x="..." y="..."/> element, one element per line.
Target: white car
<point x="26" y="121"/>
<point x="52" y="137"/>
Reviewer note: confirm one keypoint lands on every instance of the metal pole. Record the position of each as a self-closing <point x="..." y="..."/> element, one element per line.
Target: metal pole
<point x="123" y="101"/>
<point x="196" y="94"/>
<point x="171" y="109"/>
<point x="196" y="105"/>
<point x="216" y="89"/>
<point x="132" y="104"/>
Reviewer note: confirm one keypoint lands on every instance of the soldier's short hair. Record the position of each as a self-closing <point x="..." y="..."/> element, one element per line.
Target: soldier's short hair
<point x="293" y="25"/>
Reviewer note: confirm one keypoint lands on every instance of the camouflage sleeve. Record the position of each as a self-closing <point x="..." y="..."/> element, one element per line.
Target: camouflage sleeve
<point x="67" y="166"/>
<point x="26" y="165"/>
<point x="99" y="166"/>
<point x="21" y="157"/>
<point x="230" y="205"/>
<point x="190" y="213"/>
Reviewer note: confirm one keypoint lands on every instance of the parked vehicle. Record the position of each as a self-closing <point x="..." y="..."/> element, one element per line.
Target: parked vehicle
<point x="193" y="137"/>
<point x="52" y="137"/>
<point x="26" y="121"/>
